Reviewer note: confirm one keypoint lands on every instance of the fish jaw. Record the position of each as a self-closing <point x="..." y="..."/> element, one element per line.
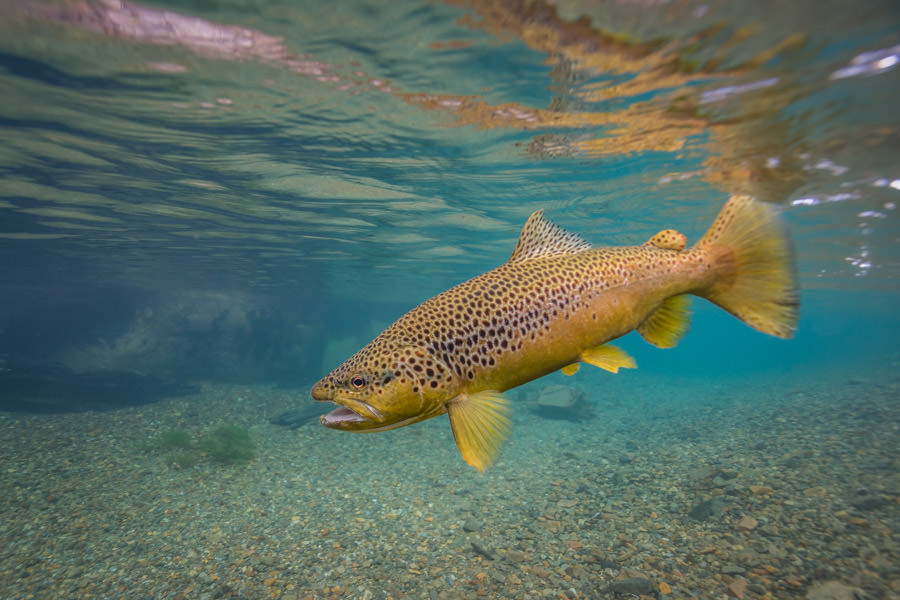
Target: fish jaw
<point x="350" y="415"/>
<point x="387" y="384"/>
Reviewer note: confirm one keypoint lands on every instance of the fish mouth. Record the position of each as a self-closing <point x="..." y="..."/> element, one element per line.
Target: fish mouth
<point x="341" y="418"/>
<point x="352" y="414"/>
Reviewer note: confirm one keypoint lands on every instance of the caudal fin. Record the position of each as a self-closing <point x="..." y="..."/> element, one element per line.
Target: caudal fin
<point x="752" y="250"/>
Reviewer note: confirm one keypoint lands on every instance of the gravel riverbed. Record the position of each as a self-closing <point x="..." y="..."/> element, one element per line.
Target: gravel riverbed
<point x="679" y="489"/>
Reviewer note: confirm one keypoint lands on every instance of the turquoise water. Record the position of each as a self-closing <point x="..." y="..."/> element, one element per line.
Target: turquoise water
<point x="239" y="195"/>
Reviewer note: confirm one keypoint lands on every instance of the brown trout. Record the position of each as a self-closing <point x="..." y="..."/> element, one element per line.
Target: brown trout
<point x="555" y="304"/>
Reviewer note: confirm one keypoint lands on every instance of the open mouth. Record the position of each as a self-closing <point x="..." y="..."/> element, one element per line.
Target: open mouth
<point x="352" y="414"/>
<point x="342" y="417"/>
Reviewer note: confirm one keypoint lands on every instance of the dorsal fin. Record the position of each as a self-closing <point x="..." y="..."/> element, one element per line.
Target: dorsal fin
<point x="668" y="239"/>
<point x="540" y="237"/>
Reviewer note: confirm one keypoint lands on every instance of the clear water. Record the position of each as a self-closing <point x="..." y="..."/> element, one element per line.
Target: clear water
<point x="245" y="192"/>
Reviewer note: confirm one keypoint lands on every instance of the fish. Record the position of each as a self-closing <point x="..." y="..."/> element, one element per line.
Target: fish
<point x="554" y="305"/>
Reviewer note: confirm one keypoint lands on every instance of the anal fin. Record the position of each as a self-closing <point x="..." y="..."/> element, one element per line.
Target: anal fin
<point x="669" y="323"/>
<point x="609" y="358"/>
<point x="570" y="369"/>
<point x="480" y="424"/>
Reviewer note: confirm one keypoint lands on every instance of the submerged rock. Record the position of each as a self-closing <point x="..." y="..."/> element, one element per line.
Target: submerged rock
<point x="563" y="402"/>
<point x="835" y="590"/>
<point x="472" y="524"/>
<point x="633" y="586"/>
<point x="872" y="502"/>
<point x="707" y="509"/>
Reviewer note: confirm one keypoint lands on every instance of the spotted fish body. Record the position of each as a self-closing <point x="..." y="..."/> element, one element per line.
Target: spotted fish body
<point x="554" y="304"/>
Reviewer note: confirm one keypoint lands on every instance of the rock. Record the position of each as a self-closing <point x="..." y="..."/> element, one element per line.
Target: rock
<point x="558" y="396"/>
<point x="834" y="590"/>
<point x="563" y="402"/>
<point x="737" y="588"/>
<point x="479" y="549"/>
<point x="761" y="490"/>
<point x="515" y="555"/>
<point x="757" y="588"/>
<point x="870" y="502"/>
<point x="633" y="586"/>
<point x="472" y="525"/>
<point x="707" y="509"/>
<point x="747" y="523"/>
<point x="576" y="571"/>
<point x="707" y="478"/>
<point x="732" y="569"/>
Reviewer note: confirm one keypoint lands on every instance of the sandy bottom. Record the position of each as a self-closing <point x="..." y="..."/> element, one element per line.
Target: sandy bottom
<point x="677" y="488"/>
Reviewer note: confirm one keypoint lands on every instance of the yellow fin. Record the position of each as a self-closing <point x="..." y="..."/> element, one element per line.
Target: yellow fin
<point x="480" y="424"/>
<point x="668" y="239"/>
<point x="570" y="369"/>
<point x="666" y="325"/>
<point x="540" y="237"/>
<point x="609" y="358"/>
<point x="757" y="282"/>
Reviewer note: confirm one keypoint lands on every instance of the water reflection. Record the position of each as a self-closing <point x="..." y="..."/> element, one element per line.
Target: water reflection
<point x="285" y="151"/>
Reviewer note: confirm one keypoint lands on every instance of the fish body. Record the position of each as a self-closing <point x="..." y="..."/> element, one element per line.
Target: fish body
<point x="554" y="304"/>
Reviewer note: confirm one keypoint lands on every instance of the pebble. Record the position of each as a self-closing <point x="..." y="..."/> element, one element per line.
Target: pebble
<point x="737" y="588"/>
<point x="515" y="556"/>
<point x="86" y="515"/>
<point x="732" y="569"/>
<point x="706" y="510"/>
<point x="834" y="590"/>
<point x="633" y="586"/>
<point x="479" y="549"/>
<point x="869" y="503"/>
<point x="472" y="525"/>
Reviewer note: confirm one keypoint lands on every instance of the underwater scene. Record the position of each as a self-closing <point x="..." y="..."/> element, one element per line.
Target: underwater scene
<point x="611" y="287"/>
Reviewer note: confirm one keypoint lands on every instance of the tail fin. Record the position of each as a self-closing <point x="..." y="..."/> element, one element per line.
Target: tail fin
<point x="753" y="251"/>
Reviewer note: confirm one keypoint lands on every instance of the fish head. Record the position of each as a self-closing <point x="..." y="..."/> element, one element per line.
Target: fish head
<point x="384" y="386"/>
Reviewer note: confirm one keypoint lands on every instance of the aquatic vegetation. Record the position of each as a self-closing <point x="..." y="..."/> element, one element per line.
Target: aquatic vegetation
<point x="226" y="444"/>
<point x="183" y="459"/>
<point x="174" y="440"/>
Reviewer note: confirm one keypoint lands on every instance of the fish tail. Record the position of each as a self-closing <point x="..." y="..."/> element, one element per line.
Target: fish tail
<point x="754" y="259"/>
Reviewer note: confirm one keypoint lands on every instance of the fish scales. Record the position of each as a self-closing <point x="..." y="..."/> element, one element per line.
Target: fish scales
<point x="556" y="303"/>
<point x="524" y="320"/>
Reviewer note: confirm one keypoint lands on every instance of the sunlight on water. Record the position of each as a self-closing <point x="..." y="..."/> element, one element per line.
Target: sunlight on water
<point x="273" y="144"/>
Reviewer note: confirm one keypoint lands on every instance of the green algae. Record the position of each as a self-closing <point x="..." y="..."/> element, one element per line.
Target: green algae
<point x="224" y="445"/>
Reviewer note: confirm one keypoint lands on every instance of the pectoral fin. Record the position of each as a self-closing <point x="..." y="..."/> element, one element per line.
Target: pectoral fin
<point x="666" y="325"/>
<point x="609" y="358"/>
<point x="480" y="424"/>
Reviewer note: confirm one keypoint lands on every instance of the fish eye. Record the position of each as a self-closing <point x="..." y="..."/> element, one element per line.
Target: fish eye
<point x="358" y="382"/>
